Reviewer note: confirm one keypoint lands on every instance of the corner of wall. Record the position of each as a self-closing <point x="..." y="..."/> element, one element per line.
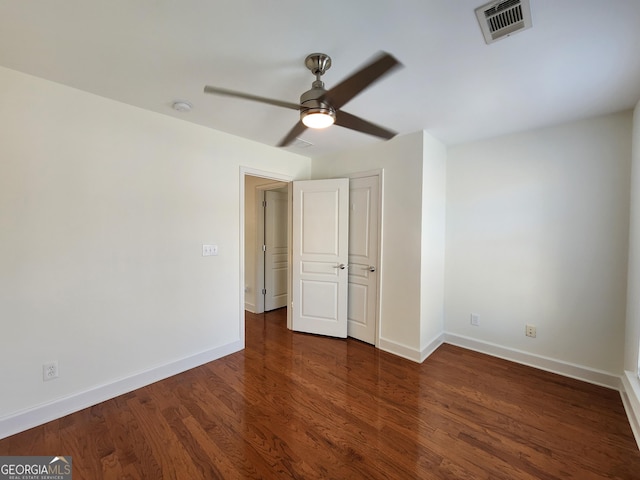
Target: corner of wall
<point x="632" y="324"/>
<point x="432" y="254"/>
<point x="630" y="394"/>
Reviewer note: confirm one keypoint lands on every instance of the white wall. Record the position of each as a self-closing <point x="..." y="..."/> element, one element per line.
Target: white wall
<point x="403" y="160"/>
<point x="433" y="244"/>
<point x="630" y="382"/>
<point x="103" y="209"/>
<point x="537" y="233"/>
<point x="632" y="335"/>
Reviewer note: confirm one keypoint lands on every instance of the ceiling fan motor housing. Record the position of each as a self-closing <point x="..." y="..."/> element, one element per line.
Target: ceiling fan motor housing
<point x="312" y="102"/>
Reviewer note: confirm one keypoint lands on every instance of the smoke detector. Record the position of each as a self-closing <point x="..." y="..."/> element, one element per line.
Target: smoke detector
<point x="503" y="18"/>
<point x="182" y="106"/>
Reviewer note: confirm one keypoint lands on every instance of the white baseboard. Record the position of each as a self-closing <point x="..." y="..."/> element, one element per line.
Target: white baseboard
<point x="58" y="408"/>
<point x="399" y="349"/>
<point x="410" y="353"/>
<point x="630" y="394"/>
<point x="431" y="347"/>
<point x="250" y="307"/>
<point x="566" y="369"/>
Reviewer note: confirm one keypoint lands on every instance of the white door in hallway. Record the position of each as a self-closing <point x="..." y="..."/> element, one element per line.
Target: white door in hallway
<point x="363" y="258"/>
<point x="320" y="256"/>
<point x="275" y="248"/>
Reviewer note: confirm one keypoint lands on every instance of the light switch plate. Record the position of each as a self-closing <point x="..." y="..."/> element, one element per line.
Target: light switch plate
<point x="209" y="250"/>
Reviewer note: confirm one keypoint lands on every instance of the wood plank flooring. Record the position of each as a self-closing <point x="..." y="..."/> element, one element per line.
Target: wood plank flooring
<point x="305" y="407"/>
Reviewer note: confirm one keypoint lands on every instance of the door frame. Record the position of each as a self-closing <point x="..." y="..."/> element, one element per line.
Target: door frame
<point x="260" y="229"/>
<point x="276" y="177"/>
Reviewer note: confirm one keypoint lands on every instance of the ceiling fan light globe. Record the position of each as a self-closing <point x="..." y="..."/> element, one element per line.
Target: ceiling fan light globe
<point x="318" y="119"/>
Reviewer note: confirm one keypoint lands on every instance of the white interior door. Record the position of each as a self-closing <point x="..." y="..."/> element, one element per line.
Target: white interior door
<point x="320" y="256"/>
<point x="275" y="250"/>
<point x="363" y="258"/>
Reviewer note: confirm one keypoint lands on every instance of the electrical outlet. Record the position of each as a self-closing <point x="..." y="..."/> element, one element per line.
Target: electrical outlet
<point x="49" y="371"/>
<point x="475" y="319"/>
<point x="530" y="331"/>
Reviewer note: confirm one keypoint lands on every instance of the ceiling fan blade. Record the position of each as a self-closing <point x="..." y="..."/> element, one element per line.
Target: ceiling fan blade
<point x="347" y="120"/>
<point x="363" y="78"/>
<point x="297" y="129"/>
<point x="248" y="96"/>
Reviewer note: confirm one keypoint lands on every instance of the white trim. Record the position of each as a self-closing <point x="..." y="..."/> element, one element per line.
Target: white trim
<point x="32" y="417"/>
<point x="399" y="349"/>
<point x="411" y="353"/>
<point x="630" y="394"/>
<point x="431" y="347"/>
<point x="579" y="372"/>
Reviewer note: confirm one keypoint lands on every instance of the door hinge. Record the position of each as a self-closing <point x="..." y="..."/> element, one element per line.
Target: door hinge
<point x="264" y="291"/>
<point x="264" y="203"/>
<point x="264" y="248"/>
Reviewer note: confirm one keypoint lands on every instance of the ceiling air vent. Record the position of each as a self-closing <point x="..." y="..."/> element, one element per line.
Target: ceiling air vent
<point x="503" y="18"/>
<point x="300" y="143"/>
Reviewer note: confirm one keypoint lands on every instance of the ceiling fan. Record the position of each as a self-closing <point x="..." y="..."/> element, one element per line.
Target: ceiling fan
<point x="320" y="108"/>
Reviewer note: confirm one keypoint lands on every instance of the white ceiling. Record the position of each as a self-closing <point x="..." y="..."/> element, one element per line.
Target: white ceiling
<point x="581" y="58"/>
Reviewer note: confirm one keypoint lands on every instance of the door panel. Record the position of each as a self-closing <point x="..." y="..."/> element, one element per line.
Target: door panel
<point x="276" y="246"/>
<point x="319" y="300"/>
<point x="320" y="256"/>
<point x="357" y="304"/>
<point x="363" y="258"/>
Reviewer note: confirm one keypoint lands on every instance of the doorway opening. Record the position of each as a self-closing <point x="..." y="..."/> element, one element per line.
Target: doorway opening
<point x="363" y="262"/>
<point x="249" y="179"/>
<point x="265" y="244"/>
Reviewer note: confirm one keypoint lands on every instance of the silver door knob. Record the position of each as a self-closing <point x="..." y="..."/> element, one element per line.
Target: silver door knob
<point x="371" y="268"/>
<point x="342" y="266"/>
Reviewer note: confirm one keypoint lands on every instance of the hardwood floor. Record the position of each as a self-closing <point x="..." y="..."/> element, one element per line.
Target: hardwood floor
<point x="299" y="406"/>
